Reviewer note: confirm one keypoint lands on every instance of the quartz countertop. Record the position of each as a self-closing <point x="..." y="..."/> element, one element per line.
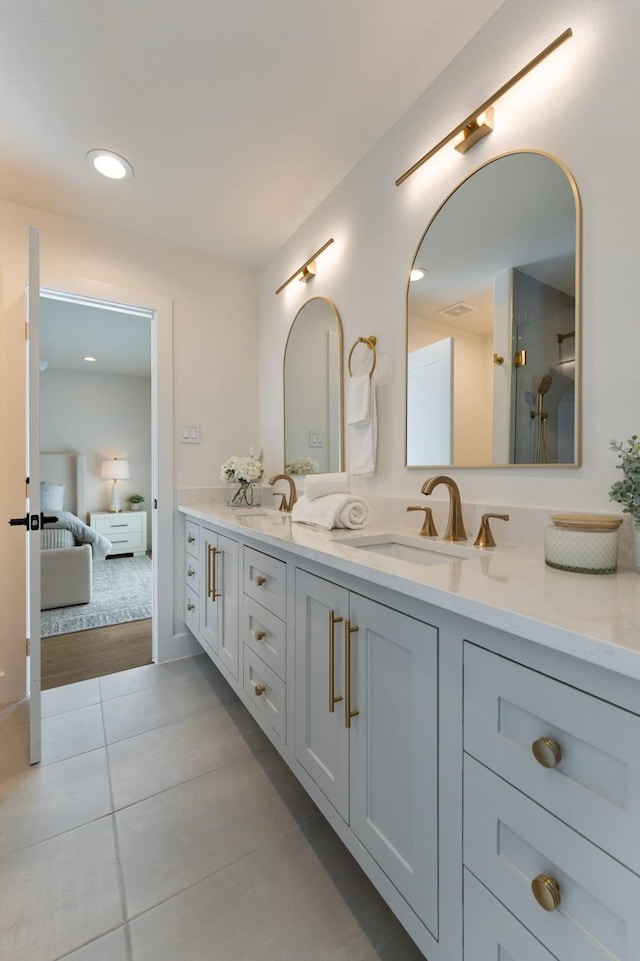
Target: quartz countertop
<point x="593" y="617"/>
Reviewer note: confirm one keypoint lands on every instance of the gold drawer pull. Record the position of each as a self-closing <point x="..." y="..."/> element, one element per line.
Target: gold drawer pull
<point x="190" y="606"/>
<point x="259" y="635"/>
<point x="546" y="891"/>
<point x="333" y="697"/>
<point x="348" y="712"/>
<point x="259" y="581"/>
<point x="260" y="689"/>
<point x="191" y="539"/>
<point x="190" y="572"/>
<point x="547" y="752"/>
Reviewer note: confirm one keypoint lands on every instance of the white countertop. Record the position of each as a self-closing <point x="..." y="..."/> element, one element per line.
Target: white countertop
<point x="593" y="617"/>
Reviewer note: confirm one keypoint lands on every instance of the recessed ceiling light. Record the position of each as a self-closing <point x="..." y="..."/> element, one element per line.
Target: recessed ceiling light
<point x="418" y="273"/>
<point x="90" y="360"/>
<point x="110" y="164"/>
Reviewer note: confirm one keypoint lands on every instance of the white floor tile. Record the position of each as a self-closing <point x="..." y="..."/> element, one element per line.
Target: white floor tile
<point x="156" y="707"/>
<point x="69" y="697"/>
<point x="180" y="836"/>
<point x="111" y="947"/>
<point x="71" y="733"/>
<point x="14" y="750"/>
<point x="155" y="675"/>
<point x="300" y="897"/>
<point x="41" y="802"/>
<point x="60" y="894"/>
<point x="152" y="762"/>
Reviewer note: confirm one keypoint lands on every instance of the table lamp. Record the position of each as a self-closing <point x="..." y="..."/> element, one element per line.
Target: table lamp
<point x="115" y="470"/>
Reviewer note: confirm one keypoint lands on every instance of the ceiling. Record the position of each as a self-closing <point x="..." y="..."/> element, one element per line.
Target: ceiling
<point x="238" y="116"/>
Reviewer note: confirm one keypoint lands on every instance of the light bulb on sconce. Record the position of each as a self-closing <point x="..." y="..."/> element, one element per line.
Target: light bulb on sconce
<point x="480" y="127"/>
<point x="115" y="470"/>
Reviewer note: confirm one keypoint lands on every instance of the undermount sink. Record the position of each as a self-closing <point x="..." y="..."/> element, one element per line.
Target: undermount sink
<point x="415" y="550"/>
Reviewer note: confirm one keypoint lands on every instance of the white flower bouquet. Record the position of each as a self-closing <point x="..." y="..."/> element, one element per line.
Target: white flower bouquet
<point x="242" y="475"/>
<point x="301" y="465"/>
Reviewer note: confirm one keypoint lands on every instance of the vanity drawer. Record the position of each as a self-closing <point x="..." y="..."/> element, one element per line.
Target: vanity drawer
<point x="509" y="841"/>
<point x="265" y="580"/>
<point x="595" y="786"/>
<point x="491" y="933"/>
<point x="266" y="691"/>
<point x="192" y="572"/>
<point x="192" y="538"/>
<point x="191" y="610"/>
<point x="265" y="634"/>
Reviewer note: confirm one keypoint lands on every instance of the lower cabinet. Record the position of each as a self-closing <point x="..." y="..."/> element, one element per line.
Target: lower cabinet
<point x="366" y="728"/>
<point x="219" y="597"/>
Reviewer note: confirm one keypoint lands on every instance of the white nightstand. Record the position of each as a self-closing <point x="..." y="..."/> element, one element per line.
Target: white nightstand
<point x="127" y="530"/>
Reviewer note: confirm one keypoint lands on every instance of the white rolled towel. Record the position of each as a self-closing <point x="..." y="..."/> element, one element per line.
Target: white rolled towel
<point x="319" y="485"/>
<point x="334" y="510"/>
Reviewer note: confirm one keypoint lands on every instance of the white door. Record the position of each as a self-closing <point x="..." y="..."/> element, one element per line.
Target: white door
<point x="430" y="404"/>
<point x="19" y="433"/>
<point x="394" y="749"/>
<point x="321" y="738"/>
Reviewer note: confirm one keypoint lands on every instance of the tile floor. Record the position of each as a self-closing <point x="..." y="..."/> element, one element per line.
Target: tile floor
<point x="162" y="825"/>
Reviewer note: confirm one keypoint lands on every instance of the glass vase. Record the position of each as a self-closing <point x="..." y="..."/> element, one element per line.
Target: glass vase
<point x="244" y="494"/>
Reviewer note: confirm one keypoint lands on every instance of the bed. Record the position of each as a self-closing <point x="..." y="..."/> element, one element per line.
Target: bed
<point x="68" y="546"/>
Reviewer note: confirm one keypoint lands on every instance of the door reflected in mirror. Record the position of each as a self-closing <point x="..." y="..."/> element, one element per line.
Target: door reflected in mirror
<point x="493" y="321"/>
<point x="313" y="402"/>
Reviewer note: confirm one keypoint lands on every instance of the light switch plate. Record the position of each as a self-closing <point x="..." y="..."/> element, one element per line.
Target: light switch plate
<point x="316" y="438"/>
<point x="189" y="433"/>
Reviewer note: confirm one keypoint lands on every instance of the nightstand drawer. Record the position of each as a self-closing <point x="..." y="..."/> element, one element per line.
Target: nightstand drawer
<point x="510" y="842"/>
<point x="264" y="633"/>
<point x="117" y="524"/>
<point x="491" y="932"/>
<point x="266" y="691"/>
<point x="595" y="784"/>
<point x="192" y="573"/>
<point x="192" y="538"/>
<point x="265" y="580"/>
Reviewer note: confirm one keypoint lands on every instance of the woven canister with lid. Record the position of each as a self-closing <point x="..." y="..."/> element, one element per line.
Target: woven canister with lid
<point x="582" y="543"/>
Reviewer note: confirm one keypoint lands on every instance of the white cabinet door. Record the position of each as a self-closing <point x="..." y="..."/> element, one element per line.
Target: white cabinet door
<point x="219" y="597"/>
<point x="394" y="749"/>
<point x="321" y="738"/>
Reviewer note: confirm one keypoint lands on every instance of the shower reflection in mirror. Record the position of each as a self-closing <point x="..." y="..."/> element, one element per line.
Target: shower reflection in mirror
<point x="500" y="265"/>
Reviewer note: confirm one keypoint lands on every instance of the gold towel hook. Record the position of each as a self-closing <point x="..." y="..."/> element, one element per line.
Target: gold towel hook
<point x="370" y="342"/>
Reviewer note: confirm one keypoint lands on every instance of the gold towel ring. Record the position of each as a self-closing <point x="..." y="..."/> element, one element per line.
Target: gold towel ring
<point x="371" y="344"/>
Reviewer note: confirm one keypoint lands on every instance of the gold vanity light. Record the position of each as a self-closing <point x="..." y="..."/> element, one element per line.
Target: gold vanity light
<point x="479" y="123"/>
<point x="308" y="269"/>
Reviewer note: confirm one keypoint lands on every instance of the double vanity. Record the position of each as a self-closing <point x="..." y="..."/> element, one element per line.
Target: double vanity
<point x="467" y="720"/>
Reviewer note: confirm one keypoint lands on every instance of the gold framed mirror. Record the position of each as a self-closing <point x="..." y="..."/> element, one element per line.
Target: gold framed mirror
<point x="493" y="323"/>
<point x="313" y="391"/>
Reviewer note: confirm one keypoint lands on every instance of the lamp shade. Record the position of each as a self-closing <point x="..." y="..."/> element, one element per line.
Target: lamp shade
<point x="115" y="469"/>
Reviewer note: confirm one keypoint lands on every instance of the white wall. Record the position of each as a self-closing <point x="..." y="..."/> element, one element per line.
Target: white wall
<point x="577" y="106"/>
<point x="102" y="416"/>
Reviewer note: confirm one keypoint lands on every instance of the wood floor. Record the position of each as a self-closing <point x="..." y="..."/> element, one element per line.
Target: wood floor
<point x="67" y="658"/>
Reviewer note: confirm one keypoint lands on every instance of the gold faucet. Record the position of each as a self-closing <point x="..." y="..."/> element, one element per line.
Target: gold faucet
<point x="485" y="538"/>
<point x="455" y="528"/>
<point x="286" y="503"/>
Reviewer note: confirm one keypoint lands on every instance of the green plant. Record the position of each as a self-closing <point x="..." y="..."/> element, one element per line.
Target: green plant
<point x="135" y="499"/>
<point x="627" y="491"/>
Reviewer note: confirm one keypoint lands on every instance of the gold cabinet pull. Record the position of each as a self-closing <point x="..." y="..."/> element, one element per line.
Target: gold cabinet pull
<point x="333" y="697"/>
<point x="190" y="572"/>
<point x="259" y="635"/>
<point x="260" y="689"/>
<point x="212" y="587"/>
<point x="190" y="606"/>
<point x="259" y="581"/>
<point x="348" y="712"/>
<point x="191" y="539"/>
<point x="547" y="752"/>
<point x="546" y="891"/>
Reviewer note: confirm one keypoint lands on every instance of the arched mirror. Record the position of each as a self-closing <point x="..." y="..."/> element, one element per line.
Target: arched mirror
<point x="493" y="321"/>
<point x="313" y="438"/>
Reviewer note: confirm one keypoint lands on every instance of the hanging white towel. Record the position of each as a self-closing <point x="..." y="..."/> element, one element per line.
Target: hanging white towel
<point x="359" y="400"/>
<point x="334" y="510"/>
<point x="363" y="440"/>
<point x="319" y="485"/>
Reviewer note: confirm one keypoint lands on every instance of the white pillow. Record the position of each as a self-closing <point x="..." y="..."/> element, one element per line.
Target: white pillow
<point x="51" y="497"/>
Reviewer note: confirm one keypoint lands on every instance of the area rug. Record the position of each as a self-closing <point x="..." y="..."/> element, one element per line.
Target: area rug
<point x="121" y="592"/>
